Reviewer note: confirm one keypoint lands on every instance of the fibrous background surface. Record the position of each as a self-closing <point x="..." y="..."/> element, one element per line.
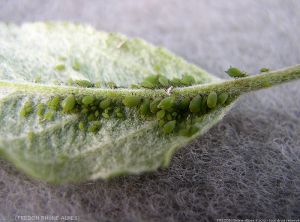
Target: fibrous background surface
<point x="247" y="166"/>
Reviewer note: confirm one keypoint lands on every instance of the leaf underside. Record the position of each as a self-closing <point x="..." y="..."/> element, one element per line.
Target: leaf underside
<point x="57" y="151"/>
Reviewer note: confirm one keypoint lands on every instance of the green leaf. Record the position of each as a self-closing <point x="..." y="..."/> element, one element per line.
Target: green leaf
<point x="61" y="132"/>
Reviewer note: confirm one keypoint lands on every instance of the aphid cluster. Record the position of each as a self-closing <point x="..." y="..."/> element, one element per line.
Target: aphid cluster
<point x="175" y="114"/>
<point x="160" y="81"/>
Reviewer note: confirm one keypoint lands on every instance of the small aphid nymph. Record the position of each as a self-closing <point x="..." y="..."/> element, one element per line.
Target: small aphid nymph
<point x="212" y="100"/>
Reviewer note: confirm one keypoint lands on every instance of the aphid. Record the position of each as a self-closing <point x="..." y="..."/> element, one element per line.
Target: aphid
<point x="68" y="103"/>
<point x="30" y="136"/>
<point x="169" y="126"/>
<point x="104" y="104"/>
<point x="167" y="103"/>
<point x="160" y="114"/>
<point x="49" y="115"/>
<point x="97" y="113"/>
<point x="76" y="65"/>
<point x="147" y="85"/>
<point x="111" y="85"/>
<point x="38" y="79"/>
<point x="195" y="104"/>
<point x="187" y="80"/>
<point x="176" y="82"/>
<point x="235" y="72"/>
<point x="169" y="117"/>
<point x="54" y="103"/>
<point x="145" y="107"/>
<point x="106" y="115"/>
<point x="84" y="83"/>
<point x="88" y="100"/>
<point x="60" y="67"/>
<point x="189" y="131"/>
<point x="222" y="98"/>
<point x="91" y="117"/>
<point x="81" y="125"/>
<point x="94" y="127"/>
<point x="264" y="69"/>
<point x="27" y="109"/>
<point x="131" y="101"/>
<point x="212" y="100"/>
<point x="163" y="81"/>
<point x="85" y="110"/>
<point x="119" y="112"/>
<point x="161" y="122"/>
<point x="134" y="86"/>
<point x="98" y="84"/>
<point x="154" y="104"/>
<point x="150" y="82"/>
<point x="40" y="109"/>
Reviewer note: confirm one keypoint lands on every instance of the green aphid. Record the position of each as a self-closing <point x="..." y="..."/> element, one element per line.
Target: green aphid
<point x="183" y="103"/>
<point x="97" y="113"/>
<point x="70" y="82"/>
<point x="169" y="126"/>
<point x="154" y="104"/>
<point x="105" y="115"/>
<point x="84" y="83"/>
<point x="212" y="100"/>
<point x="150" y="82"/>
<point x="264" y="69"/>
<point x="195" y="104"/>
<point x="91" y="117"/>
<point x="153" y="79"/>
<point x="60" y="67"/>
<point x="40" y="109"/>
<point x="187" y="80"/>
<point x="81" y="125"/>
<point x="131" y="101"/>
<point x="222" y="98"/>
<point x="38" y="79"/>
<point x="69" y="103"/>
<point x="169" y="117"/>
<point x="93" y="108"/>
<point x="189" y="131"/>
<point x="49" y="115"/>
<point x="167" y="103"/>
<point x="161" y="123"/>
<point x="111" y="85"/>
<point x="88" y="100"/>
<point x="147" y="84"/>
<point x="235" y="72"/>
<point x="76" y="65"/>
<point x="135" y="86"/>
<point x="160" y="114"/>
<point x="27" y="109"/>
<point x="54" y="103"/>
<point x="176" y="82"/>
<point x="145" y="107"/>
<point x="104" y="104"/>
<point x="120" y="115"/>
<point x="163" y="81"/>
<point x="98" y="84"/>
<point x="94" y="127"/>
<point x="85" y="110"/>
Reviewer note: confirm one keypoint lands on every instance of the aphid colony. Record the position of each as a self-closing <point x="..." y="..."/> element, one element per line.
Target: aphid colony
<point x="174" y="114"/>
<point x="150" y="82"/>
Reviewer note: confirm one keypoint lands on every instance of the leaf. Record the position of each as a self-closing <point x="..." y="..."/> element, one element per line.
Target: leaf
<point x="37" y="62"/>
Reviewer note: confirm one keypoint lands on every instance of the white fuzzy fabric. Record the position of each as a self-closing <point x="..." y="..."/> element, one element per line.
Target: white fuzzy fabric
<point x="247" y="166"/>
